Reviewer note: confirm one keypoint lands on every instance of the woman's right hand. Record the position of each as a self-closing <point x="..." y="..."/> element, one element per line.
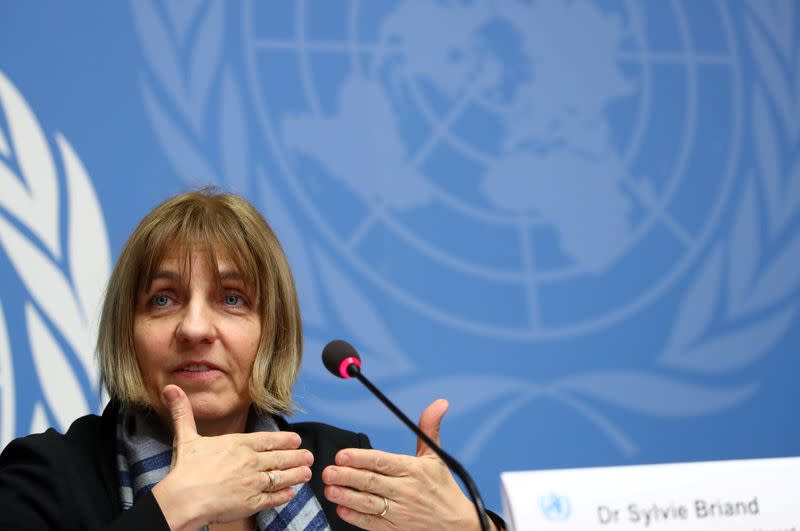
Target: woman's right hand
<point x="225" y="478"/>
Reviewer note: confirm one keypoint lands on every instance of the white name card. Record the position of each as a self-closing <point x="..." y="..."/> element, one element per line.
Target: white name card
<point x="747" y="495"/>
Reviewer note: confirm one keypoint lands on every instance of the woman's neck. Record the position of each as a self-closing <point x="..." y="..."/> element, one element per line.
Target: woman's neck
<point x="223" y="426"/>
<point x="236" y="423"/>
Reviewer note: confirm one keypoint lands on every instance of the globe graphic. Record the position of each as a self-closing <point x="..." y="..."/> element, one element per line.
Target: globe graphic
<point x="474" y="156"/>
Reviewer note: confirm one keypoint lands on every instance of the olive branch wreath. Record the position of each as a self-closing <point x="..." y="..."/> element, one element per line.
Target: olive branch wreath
<point x="65" y="290"/>
<point x="719" y="328"/>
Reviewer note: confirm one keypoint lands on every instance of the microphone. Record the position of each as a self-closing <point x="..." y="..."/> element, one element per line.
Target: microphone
<point x="342" y="360"/>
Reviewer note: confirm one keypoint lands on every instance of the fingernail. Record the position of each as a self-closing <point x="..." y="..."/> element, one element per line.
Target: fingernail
<point x="309" y="458"/>
<point x="344" y="459"/>
<point x="334" y="492"/>
<point x="170" y="395"/>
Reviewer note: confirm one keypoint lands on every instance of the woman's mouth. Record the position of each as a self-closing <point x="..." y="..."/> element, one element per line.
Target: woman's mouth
<point x="198" y="371"/>
<point x="196" y="368"/>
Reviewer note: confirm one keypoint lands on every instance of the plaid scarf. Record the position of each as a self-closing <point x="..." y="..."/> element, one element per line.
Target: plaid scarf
<point x="144" y="455"/>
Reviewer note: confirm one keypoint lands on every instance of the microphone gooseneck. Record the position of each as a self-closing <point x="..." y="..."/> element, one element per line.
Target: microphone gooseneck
<point x="343" y="361"/>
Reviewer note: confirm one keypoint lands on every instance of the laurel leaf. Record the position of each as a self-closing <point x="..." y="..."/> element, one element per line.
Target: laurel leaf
<point x="780" y="277"/>
<point x="614" y="433"/>
<point x="90" y="256"/>
<point x="159" y="49"/>
<point x="89" y="252"/>
<point x="7" y="406"/>
<point x="61" y="388"/>
<point x="737" y="349"/>
<point x="36" y="207"/>
<point x="39" y="421"/>
<point x="47" y="285"/>
<point x="778" y="18"/>
<point x="233" y="135"/>
<point x="655" y="395"/>
<point x="204" y="60"/>
<point x="792" y="201"/>
<point x="361" y="320"/>
<point x="795" y="127"/>
<point x="180" y="15"/>
<point x="697" y="307"/>
<point x="787" y="13"/>
<point x="465" y="393"/>
<point x="767" y="156"/>
<point x="14" y="192"/>
<point x="773" y="76"/>
<point x="489" y="427"/>
<point x="292" y="243"/>
<point x="764" y="12"/>
<point x="744" y="250"/>
<point x="188" y="162"/>
<point x="5" y="147"/>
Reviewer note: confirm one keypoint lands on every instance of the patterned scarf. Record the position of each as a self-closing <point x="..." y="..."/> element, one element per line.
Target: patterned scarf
<point x="144" y="455"/>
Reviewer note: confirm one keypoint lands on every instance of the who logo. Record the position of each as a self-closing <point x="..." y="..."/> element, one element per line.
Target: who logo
<point x="555" y="508"/>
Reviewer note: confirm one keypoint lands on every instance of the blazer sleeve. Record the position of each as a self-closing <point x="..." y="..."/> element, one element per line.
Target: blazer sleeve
<point x="42" y="487"/>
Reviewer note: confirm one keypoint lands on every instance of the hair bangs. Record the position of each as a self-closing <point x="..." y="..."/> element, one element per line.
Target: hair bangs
<point x="212" y="233"/>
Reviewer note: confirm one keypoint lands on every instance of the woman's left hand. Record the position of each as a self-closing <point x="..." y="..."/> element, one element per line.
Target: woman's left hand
<point x="383" y="491"/>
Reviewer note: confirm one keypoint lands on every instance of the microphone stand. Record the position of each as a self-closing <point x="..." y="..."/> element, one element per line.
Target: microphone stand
<point x="355" y="371"/>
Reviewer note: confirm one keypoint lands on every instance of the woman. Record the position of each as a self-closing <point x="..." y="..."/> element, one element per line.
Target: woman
<point x="200" y="344"/>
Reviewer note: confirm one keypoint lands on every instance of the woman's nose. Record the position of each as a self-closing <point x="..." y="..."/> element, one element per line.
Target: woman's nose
<point x="197" y="322"/>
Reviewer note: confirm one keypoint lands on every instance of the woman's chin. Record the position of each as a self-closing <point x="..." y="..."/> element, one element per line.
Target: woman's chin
<point x="217" y="414"/>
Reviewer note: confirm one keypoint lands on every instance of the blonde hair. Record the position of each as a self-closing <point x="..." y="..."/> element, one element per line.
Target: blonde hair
<point x="217" y="223"/>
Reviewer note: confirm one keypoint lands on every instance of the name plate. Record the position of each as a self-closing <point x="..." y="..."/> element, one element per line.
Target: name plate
<point x="746" y="495"/>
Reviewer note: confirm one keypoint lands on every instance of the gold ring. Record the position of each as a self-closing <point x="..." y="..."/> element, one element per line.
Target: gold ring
<point x="271" y="476"/>
<point x="385" y="507"/>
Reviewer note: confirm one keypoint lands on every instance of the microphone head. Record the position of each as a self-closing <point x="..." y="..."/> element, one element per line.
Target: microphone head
<point x="338" y="356"/>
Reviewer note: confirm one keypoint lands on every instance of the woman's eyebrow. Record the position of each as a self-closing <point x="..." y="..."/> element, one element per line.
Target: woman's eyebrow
<point x="230" y="275"/>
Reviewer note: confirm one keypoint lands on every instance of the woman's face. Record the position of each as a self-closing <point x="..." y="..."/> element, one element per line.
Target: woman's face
<point x="200" y="335"/>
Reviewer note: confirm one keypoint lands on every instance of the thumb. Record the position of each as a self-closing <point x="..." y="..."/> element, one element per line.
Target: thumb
<point x="180" y="409"/>
<point x="430" y="422"/>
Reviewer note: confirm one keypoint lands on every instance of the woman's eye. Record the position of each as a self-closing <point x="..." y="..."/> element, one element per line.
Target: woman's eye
<point x="233" y="300"/>
<point x="160" y="301"/>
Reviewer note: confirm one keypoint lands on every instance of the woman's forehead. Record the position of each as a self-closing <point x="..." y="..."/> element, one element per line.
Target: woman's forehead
<point x="181" y="264"/>
<point x="186" y="262"/>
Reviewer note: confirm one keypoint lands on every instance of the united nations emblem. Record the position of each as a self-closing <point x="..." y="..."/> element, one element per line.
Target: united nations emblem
<point x="516" y="180"/>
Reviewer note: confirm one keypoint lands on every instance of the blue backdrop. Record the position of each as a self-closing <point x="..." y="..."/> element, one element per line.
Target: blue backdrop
<point x="578" y="221"/>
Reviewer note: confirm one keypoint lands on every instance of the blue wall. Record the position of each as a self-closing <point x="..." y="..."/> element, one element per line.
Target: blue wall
<point x="577" y="221"/>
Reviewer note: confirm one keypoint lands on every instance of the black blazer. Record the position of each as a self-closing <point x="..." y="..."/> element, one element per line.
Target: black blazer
<point x="65" y="482"/>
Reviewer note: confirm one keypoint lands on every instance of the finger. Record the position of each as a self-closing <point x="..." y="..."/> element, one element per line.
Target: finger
<point x="266" y="500"/>
<point x="180" y="410"/>
<point x="382" y="462"/>
<point x="362" y="502"/>
<point x="285" y="478"/>
<point x="430" y="423"/>
<point x="284" y="459"/>
<point x="364" y="521"/>
<point x="265" y="441"/>
<point x="361" y="480"/>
